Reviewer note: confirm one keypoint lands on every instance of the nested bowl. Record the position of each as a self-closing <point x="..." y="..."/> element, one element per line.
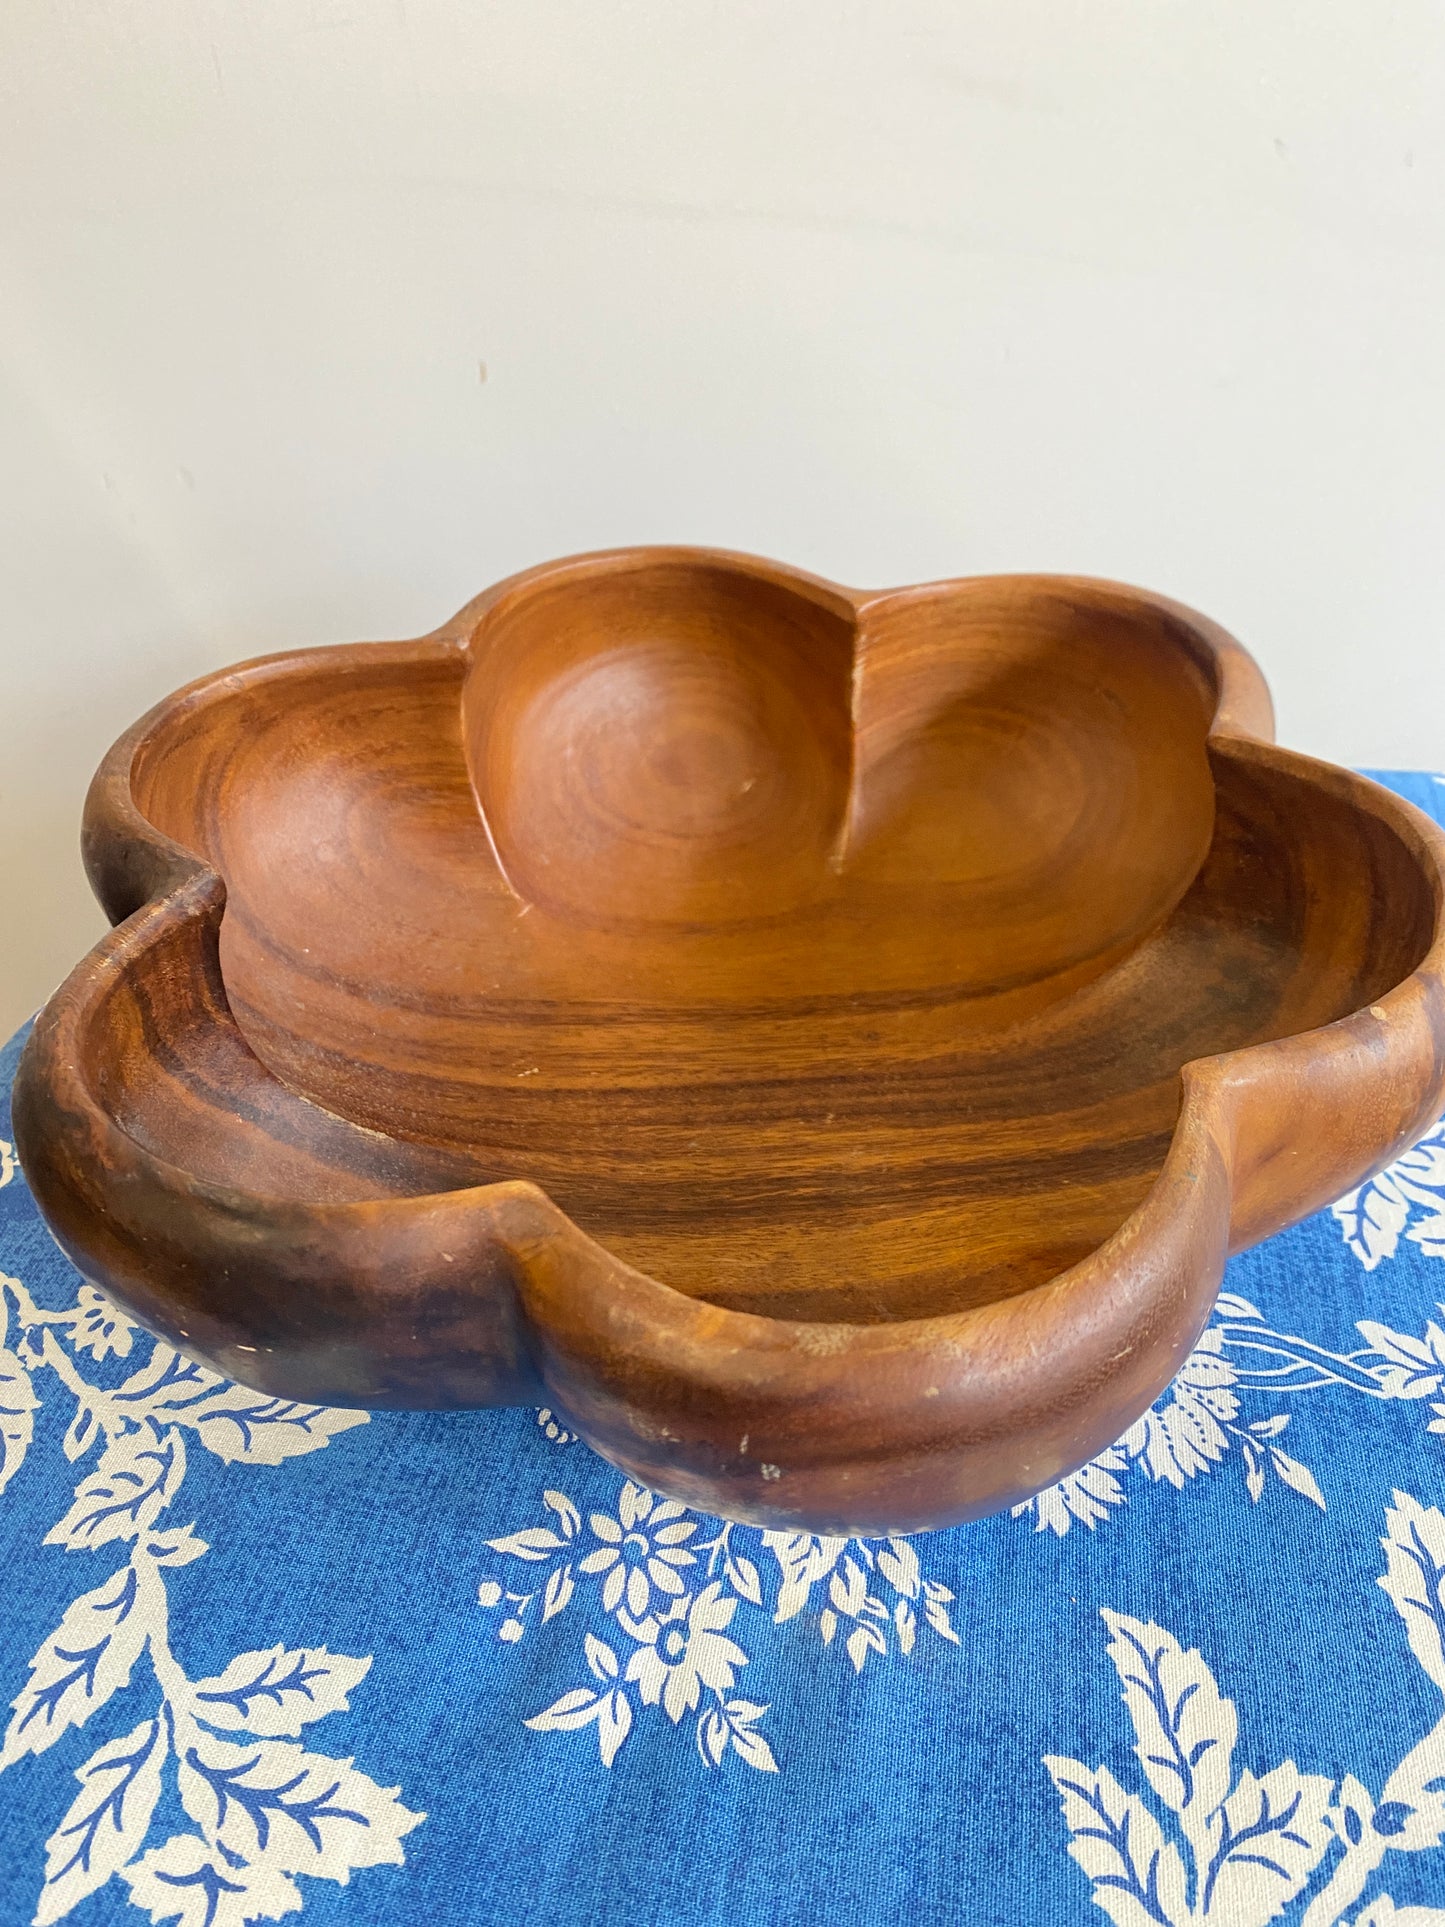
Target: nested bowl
<point x="824" y="1043"/>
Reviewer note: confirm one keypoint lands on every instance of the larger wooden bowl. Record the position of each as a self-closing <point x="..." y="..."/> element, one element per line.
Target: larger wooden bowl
<point x="823" y="1043"/>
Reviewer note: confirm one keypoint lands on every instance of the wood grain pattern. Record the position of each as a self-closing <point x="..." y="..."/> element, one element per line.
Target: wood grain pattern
<point x="825" y="1043"/>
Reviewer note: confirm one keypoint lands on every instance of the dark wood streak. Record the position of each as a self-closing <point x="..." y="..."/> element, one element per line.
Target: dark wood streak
<point x="825" y="1043"/>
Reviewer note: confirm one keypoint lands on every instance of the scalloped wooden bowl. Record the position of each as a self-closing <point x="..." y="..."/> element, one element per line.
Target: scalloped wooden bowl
<point x="823" y="1043"/>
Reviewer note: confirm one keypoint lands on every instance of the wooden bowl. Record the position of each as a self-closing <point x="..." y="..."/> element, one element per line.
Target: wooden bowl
<point x="825" y="1044"/>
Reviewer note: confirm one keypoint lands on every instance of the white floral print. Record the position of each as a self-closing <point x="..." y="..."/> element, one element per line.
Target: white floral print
<point x="1201" y="1422"/>
<point x="1235" y="1847"/>
<point x="1408" y="1198"/>
<point x="263" y="1806"/>
<point x="674" y="1597"/>
<point x="641" y="1553"/>
<point x="661" y="1611"/>
<point x="685" y="1651"/>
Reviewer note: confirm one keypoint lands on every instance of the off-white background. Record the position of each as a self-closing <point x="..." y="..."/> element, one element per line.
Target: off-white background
<point x="889" y="288"/>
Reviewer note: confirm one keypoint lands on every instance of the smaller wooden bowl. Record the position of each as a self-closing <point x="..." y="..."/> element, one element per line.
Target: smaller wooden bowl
<point x="823" y="1043"/>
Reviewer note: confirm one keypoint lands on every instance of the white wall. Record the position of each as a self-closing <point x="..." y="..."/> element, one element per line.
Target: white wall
<point x="889" y="288"/>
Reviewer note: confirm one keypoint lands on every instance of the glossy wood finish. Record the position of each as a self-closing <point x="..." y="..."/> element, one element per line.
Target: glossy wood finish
<point x="824" y="1043"/>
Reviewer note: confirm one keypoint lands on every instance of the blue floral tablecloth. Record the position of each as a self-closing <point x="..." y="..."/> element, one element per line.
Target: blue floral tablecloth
<point x="270" y="1659"/>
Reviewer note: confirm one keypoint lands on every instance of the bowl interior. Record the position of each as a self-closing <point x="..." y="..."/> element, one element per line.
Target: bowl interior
<point x="821" y="963"/>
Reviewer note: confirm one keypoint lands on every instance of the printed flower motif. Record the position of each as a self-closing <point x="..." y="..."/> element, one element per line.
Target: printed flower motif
<point x="98" y="1328"/>
<point x="680" y="1646"/>
<point x="679" y="1660"/>
<point x="641" y="1549"/>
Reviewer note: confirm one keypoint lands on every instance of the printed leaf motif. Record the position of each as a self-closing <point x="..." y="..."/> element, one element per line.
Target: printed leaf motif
<point x="245" y="1428"/>
<point x="1198" y="1423"/>
<point x="81" y="1433"/>
<point x="1184" y="1437"/>
<point x="574" y="1709"/>
<point x="1230" y="1305"/>
<point x="1429" y="1234"/>
<point x="297" y="1810"/>
<point x="1257" y="1844"/>
<point x="567" y="1513"/>
<point x="275" y="1693"/>
<point x="1411" y="1812"/>
<point x="535" y="1543"/>
<point x="1269" y="1428"/>
<point x="137" y="1476"/>
<point x="173" y="1545"/>
<point x="803" y="1559"/>
<point x="743" y="1577"/>
<point x="1175" y="1443"/>
<point x="614" y="1723"/>
<point x="558" y="1592"/>
<point x="300" y="1812"/>
<point x="1272" y="1834"/>
<point x="601" y="1660"/>
<point x="862" y="1641"/>
<point x="239" y="1426"/>
<point x="167" y="1385"/>
<point x="898" y="1563"/>
<point x="1352" y="1815"/>
<point x="88" y="1657"/>
<point x="753" y="1748"/>
<point x="713" y="1737"/>
<point x="1297" y="1476"/>
<point x="935" y="1610"/>
<point x="744" y="1712"/>
<point x="198" y="1885"/>
<point x="1138" y="1875"/>
<point x="611" y="1709"/>
<point x="1424" y="1164"/>
<point x="1186" y="1729"/>
<point x="106" y="1824"/>
<point x="1411" y="1367"/>
<point x="1414" y="1562"/>
<point x="732" y="1725"/>
<point x="848" y="1589"/>
<point x="1372" y="1218"/>
<point x="17" y="1415"/>
<point x="1088" y="1496"/>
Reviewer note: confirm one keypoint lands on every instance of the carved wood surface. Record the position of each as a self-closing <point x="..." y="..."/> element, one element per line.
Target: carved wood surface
<point x="823" y="1042"/>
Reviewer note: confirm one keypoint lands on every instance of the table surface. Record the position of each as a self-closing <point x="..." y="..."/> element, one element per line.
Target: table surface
<point x="271" y="1659"/>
